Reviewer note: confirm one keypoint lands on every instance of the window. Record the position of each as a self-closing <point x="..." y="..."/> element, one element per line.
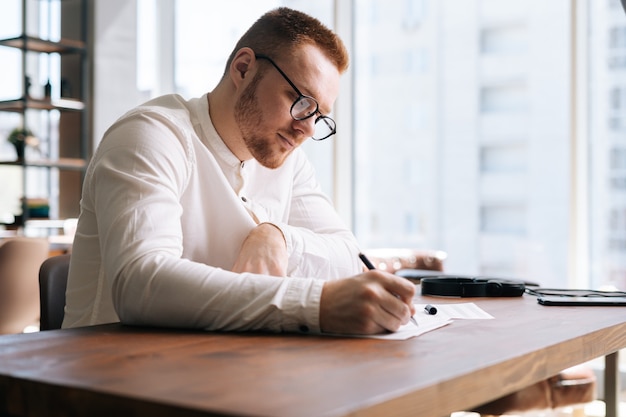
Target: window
<point x="471" y="127"/>
<point x="607" y="131"/>
<point x="43" y="21"/>
<point x="487" y="122"/>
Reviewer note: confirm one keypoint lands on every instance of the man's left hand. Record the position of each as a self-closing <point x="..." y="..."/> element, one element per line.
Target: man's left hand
<point x="264" y="251"/>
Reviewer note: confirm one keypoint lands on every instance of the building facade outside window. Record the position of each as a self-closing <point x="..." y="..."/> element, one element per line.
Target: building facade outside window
<point x="468" y="138"/>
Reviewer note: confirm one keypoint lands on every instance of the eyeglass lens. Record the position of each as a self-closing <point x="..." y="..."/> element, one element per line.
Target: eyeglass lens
<point x="305" y="107"/>
<point x="324" y="127"/>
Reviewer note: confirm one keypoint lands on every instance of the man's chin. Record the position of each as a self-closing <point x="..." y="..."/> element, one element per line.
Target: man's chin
<point x="268" y="155"/>
<point x="274" y="161"/>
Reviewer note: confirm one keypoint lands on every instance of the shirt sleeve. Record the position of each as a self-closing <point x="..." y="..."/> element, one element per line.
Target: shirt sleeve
<point x="318" y="242"/>
<point x="145" y="164"/>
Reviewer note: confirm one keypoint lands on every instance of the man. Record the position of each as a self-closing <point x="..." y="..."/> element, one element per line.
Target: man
<point x="205" y="214"/>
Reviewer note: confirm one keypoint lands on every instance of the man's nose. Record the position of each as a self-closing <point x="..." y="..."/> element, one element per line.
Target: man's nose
<point x="307" y="126"/>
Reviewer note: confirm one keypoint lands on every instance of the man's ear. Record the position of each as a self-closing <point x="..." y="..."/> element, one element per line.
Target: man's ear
<point x="241" y="65"/>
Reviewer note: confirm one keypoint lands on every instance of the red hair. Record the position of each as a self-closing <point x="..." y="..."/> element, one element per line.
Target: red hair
<point x="281" y="31"/>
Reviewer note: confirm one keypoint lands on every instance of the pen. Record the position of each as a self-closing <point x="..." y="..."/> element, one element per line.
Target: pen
<point x="371" y="267"/>
<point x="367" y="262"/>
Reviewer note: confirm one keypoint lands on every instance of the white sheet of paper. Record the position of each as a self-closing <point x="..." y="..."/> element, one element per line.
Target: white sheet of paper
<point x="425" y="323"/>
<point x="458" y="310"/>
<point x="446" y="313"/>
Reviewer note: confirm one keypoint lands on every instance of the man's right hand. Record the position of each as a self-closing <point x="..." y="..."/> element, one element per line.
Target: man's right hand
<point x="369" y="303"/>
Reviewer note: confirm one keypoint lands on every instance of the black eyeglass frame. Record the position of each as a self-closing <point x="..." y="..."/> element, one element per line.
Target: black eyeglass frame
<point x="332" y="125"/>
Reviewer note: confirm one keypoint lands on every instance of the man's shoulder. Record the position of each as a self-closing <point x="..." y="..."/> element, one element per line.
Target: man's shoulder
<point x="172" y="105"/>
<point x="166" y="101"/>
<point x="165" y="117"/>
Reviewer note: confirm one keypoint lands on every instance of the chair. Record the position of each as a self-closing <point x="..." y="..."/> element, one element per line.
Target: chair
<point x="572" y="387"/>
<point x="52" y="284"/>
<point x="20" y="259"/>
<point x="396" y="260"/>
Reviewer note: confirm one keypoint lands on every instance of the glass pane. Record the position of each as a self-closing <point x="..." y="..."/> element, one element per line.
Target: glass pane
<point x="463" y="137"/>
<point x="18" y="182"/>
<point x="607" y="136"/>
<point x="11" y="19"/>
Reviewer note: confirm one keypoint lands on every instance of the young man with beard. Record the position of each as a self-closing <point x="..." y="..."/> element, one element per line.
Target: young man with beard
<point x="204" y="213"/>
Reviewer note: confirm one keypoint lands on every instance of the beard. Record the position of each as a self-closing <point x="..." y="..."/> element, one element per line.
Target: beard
<point x="249" y="118"/>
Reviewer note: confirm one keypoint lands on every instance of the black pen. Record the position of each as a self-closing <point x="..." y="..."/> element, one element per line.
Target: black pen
<point x="367" y="262"/>
<point x="371" y="267"/>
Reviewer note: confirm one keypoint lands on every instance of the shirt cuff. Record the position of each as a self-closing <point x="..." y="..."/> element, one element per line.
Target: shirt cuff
<point x="301" y="304"/>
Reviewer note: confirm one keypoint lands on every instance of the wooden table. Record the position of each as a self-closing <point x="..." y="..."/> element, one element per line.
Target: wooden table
<point x="118" y="370"/>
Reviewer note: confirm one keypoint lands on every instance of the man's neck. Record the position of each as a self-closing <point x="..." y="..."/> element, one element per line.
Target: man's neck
<point x="221" y="112"/>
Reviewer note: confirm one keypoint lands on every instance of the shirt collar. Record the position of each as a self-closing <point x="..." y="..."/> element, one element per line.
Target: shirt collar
<point x="210" y="136"/>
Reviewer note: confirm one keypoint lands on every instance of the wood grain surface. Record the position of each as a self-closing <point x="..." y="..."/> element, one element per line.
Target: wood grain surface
<point x="121" y="370"/>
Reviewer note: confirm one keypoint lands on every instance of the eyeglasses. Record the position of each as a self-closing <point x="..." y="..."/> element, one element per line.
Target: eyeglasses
<point x="305" y="107"/>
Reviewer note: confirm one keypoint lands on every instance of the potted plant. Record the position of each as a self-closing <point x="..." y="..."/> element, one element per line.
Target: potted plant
<point x="20" y="138"/>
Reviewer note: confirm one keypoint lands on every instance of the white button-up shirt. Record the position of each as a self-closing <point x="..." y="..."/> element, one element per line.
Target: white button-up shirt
<point x="165" y="209"/>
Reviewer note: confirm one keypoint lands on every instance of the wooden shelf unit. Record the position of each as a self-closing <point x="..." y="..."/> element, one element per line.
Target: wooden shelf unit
<point x="66" y="136"/>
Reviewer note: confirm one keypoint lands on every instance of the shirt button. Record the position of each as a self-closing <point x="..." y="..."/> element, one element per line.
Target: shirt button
<point x="304" y="328"/>
<point x="244" y="199"/>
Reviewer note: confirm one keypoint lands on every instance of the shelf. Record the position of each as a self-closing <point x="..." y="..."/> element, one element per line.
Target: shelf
<point x="63" y="120"/>
<point x="21" y="104"/>
<point x="34" y="44"/>
<point x="62" y="163"/>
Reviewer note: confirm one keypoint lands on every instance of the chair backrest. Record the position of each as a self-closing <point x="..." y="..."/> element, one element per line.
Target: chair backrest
<point x="20" y="259"/>
<point x="52" y="284"/>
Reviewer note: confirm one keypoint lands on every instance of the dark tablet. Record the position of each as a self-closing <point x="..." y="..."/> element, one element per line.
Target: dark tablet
<point x="581" y="301"/>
